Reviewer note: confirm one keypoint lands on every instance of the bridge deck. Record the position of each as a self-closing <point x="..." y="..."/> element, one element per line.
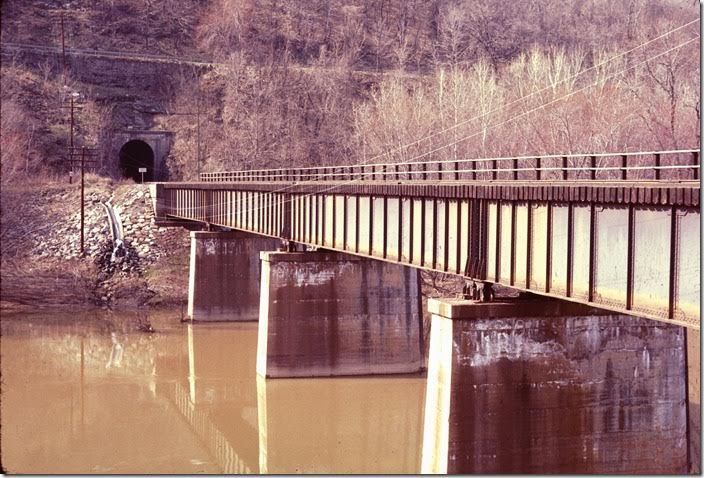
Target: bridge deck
<point x="628" y="246"/>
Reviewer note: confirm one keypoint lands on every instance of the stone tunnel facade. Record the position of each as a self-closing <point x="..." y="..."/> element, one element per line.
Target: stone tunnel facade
<point x="142" y="148"/>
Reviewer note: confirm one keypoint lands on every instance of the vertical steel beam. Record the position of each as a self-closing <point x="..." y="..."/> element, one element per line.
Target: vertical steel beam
<point x="411" y="228"/>
<point x="371" y="225"/>
<point x="548" y="245"/>
<point x="657" y="166"/>
<point x="286" y="227"/>
<point x="446" y="259"/>
<point x="570" y="250"/>
<point x="400" y="228"/>
<point x="458" y="233"/>
<point x="309" y="218"/>
<point x="334" y="220"/>
<point x="593" y="234"/>
<point x="529" y="248"/>
<point x="345" y="242"/>
<point x="631" y="256"/>
<point x="512" y="269"/>
<point x="565" y="172"/>
<point x="672" y="283"/>
<point x="538" y="169"/>
<point x="384" y="227"/>
<point x="434" y="256"/>
<point x="323" y="215"/>
<point x="497" y="272"/>
<point x="358" y="221"/>
<point x="422" y="232"/>
<point x="592" y="166"/>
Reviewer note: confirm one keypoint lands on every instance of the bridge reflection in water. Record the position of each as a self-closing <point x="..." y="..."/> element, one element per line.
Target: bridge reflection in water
<point x="337" y="425"/>
<point x="341" y="425"/>
<point x="88" y="394"/>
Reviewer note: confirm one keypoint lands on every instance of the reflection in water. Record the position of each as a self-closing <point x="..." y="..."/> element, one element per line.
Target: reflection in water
<point x="345" y="425"/>
<point x="87" y="393"/>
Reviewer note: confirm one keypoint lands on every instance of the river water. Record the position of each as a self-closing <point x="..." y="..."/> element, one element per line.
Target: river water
<point x="89" y="393"/>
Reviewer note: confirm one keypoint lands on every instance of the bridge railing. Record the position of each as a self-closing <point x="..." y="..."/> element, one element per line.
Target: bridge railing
<point x="674" y="165"/>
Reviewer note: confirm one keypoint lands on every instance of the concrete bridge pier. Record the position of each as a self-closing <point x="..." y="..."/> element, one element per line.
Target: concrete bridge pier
<point x="333" y="314"/>
<point x="224" y="275"/>
<point x="545" y="386"/>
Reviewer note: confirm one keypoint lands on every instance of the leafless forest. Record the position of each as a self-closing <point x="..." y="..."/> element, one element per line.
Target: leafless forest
<point x="346" y="81"/>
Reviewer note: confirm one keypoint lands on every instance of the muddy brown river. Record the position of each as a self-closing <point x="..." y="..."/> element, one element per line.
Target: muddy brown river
<point x="89" y="393"/>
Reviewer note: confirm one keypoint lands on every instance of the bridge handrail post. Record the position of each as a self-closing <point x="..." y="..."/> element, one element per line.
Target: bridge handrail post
<point x="592" y="166"/>
<point x="425" y="171"/>
<point x="384" y="173"/>
<point x="494" y="172"/>
<point x="624" y="167"/>
<point x="457" y="170"/>
<point x="515" y="168"/>
<point x="695" y="162"/>
<point x="539" y="168"/>
<point x="657" y="166"/>
<point x="396" y="170"/>
<point x="474" y="170"/>
<point x="565" y="172"/>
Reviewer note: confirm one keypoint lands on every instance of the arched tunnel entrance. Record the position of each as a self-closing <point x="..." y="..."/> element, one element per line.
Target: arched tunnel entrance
<point x="137" y="154"/>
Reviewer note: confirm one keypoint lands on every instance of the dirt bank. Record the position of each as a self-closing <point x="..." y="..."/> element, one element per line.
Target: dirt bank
<point x="40" y="244"/>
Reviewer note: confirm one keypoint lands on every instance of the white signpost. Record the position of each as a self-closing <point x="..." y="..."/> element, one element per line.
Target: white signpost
<point x="142" y="171"/>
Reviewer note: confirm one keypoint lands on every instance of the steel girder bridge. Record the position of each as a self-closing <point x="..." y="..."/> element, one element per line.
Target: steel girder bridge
<point x="615" y="231"/>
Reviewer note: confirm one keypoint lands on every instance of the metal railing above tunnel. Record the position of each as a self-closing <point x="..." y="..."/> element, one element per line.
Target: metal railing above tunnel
<point x="673" y="165"/>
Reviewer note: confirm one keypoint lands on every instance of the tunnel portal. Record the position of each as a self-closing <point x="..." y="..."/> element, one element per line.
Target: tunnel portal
<point x="137" y="154"/>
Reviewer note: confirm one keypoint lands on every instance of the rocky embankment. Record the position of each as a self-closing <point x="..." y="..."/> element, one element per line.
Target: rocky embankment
<point x="45" y="266"/>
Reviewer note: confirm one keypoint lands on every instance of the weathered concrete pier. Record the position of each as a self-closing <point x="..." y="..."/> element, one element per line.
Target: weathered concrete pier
<point x="544" y="386"/>
<point x="332" y="314"/>
<point x="224" y="275"/>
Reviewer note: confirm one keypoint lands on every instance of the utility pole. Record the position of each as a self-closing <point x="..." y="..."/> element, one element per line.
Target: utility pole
<point x="63" y="48"/>
<point x="83" y="189"/>
<point x="73" y="105"/>
<point x="198" y="134"/>
<point x="70" y="145"/>
<point x="83" y="205"/>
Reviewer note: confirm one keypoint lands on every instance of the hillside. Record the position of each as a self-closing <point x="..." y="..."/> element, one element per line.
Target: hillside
<point x="291" y="86"/>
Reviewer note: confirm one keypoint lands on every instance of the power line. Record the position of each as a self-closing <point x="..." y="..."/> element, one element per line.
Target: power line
<point x="514" y="118"/>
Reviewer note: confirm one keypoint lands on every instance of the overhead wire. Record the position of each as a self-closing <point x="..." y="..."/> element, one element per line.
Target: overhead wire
<point x="514" y="118"/>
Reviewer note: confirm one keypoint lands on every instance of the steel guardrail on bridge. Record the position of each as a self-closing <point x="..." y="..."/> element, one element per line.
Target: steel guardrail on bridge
<point x="651" y="165"/>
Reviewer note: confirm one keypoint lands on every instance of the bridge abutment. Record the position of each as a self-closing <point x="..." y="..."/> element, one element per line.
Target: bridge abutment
<point x="333" y="314"/>
<point x="539" y="386"/>
<point x="224" y="275"/>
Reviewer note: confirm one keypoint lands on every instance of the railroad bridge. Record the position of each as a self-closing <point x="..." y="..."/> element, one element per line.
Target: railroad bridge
<point x="589" y="367"/>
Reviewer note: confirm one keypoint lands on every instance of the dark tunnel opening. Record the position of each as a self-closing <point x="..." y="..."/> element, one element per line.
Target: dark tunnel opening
<point x="134" y="155"/>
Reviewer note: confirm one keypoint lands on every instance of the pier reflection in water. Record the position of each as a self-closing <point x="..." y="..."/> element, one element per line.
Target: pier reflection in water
<point x="88" y="393"/>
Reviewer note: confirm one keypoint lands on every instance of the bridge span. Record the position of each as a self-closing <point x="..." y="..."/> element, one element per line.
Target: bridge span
<point x="576" y="381"/>
<point x="619" y="232"/>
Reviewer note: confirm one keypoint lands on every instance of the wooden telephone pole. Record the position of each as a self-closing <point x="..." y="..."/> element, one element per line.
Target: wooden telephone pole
<point x="83" y="161"/>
